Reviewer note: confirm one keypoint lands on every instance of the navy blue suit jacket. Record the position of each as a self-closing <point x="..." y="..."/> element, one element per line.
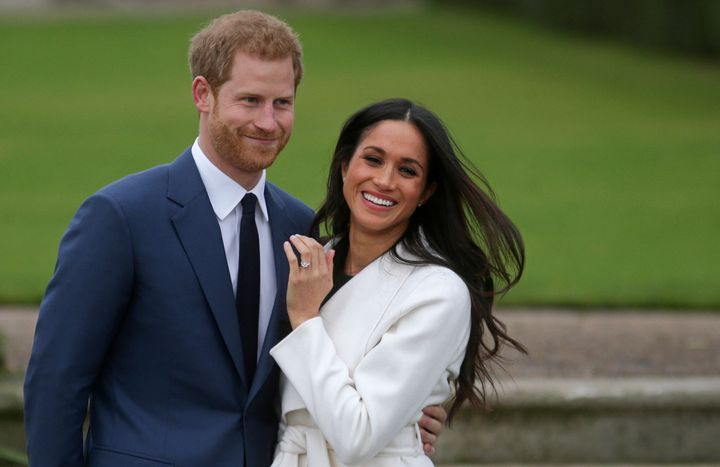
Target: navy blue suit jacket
<point x="139" y="319"/>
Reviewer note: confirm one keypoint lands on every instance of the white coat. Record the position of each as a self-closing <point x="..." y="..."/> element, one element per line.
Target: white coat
<point x="355" y="379"/>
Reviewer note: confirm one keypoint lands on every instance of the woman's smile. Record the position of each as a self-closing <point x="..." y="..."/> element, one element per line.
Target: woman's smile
<point x="377" y="200"/>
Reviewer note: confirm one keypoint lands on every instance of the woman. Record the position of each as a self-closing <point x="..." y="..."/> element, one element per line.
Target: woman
<point x="418" y="252"/>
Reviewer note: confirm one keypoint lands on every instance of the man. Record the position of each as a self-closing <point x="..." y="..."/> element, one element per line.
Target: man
<point x="170" y="284"/>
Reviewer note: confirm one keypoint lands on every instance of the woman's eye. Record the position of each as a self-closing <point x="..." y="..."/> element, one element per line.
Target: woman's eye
<point x="374" y="160"/>
<point x="408" y="171"/>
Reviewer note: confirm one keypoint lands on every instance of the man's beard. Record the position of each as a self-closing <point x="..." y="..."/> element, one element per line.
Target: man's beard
<point x="232" y="148"/>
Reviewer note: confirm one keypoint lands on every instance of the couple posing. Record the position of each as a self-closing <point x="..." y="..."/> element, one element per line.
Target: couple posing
<point x="197" y="323"/>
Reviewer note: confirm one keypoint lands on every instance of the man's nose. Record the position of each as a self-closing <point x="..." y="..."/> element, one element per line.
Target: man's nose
<point x="265" y="120"/>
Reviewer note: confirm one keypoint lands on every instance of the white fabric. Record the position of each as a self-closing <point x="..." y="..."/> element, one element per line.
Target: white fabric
<point x="225" y="195"/>
<point x="303" y="444"/>
<point x="387" y="344"/>
<point x="299" y="440"/>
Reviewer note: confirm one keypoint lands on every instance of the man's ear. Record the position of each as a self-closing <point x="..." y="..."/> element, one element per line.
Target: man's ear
<point x="202" y="94"/>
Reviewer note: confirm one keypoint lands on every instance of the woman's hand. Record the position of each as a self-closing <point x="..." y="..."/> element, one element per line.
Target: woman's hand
<point x="310" y="280"/>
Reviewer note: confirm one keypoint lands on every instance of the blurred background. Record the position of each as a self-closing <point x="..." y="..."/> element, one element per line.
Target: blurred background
<point x="597" y="124"/>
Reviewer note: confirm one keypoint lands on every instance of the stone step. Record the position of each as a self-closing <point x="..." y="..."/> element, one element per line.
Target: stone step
<point x="592" y="421"/>
<point x="637" y="421"/>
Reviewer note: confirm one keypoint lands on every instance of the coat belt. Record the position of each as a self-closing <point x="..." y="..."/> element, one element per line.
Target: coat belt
<point x="297" y="440"/>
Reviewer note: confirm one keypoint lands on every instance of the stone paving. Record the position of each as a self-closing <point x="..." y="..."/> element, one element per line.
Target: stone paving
<point x="614" y="343"/>
<point x="17" y="326"/>
<point x="561" y="343"/>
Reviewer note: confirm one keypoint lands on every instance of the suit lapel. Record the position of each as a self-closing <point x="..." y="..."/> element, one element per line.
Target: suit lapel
<point x="197" y="227"/>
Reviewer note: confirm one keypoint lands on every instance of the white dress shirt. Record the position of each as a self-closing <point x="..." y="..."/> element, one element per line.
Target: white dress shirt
<point x="225" y="195"/>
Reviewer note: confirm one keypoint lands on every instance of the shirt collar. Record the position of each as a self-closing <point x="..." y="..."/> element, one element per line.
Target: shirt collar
<point x="224" y="192"/>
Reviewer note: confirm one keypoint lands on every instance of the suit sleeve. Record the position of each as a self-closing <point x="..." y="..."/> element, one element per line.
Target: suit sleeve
<point x="79" y="315"/>
<point x="360" y="414"/>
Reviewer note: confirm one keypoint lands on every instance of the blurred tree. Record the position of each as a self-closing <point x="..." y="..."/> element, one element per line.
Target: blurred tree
<point x="690" y="26"/>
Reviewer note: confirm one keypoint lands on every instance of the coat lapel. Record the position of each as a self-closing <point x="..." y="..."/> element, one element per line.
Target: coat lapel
<point x="197" y="227"/>
<point x="383" y="277"/>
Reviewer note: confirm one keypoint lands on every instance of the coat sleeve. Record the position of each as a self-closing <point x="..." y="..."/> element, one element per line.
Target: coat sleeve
<point x="360" y="414"/>
<point x="79" y="315"/>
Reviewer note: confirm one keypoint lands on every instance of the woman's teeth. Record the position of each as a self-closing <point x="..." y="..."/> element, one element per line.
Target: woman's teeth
<point x="378" y="201"/>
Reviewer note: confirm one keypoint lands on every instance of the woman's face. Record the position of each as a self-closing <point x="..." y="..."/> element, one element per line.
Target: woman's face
<point x="386" y="178"/>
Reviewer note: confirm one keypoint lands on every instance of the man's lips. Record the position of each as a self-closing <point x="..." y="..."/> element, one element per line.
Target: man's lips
<point x="262" y="139"/>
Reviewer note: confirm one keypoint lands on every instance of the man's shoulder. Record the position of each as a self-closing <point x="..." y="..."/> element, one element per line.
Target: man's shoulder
<point x="295" y="211"/>
<point x="289" y="202"/>
<point x="144" y="185"/>
<point x="146" y="180"/>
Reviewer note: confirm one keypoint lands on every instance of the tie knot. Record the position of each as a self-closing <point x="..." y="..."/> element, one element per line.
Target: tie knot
<point x="248" y="204"/>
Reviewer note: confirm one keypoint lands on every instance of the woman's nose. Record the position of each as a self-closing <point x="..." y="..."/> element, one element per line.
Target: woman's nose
<point x="384" y="178"/>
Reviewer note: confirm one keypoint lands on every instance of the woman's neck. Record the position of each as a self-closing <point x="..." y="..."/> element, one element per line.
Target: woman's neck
<point x="364" y="248"/>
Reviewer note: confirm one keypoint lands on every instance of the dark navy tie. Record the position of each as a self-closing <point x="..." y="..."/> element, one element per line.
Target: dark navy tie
<point x="247" y="297"/>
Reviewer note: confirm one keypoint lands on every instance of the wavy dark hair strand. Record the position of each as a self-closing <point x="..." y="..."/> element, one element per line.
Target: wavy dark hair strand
<point x="461" y="224"/>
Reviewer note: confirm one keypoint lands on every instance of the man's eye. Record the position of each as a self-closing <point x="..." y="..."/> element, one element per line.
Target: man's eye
<point x="284" y="102"/>
<point x="249" y="100"/>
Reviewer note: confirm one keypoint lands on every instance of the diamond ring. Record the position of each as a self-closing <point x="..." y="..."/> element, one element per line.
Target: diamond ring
<point x="305" y="264"/>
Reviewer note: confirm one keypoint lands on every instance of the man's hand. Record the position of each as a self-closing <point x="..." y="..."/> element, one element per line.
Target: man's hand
<point x="431" y="424"/>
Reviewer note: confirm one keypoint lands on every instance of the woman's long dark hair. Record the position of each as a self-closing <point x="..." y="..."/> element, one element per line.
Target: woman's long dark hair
<point x="460" y="221"/>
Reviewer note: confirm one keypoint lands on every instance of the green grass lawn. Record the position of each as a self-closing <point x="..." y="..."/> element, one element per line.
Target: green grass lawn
<point x="606" y="156"/>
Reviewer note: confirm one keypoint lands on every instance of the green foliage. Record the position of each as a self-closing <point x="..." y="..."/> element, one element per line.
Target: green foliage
<point x="689" y="26"/>
<point x="12" y="458"/>
<point x="12" y="434"/>
<point x="605" y="156"/>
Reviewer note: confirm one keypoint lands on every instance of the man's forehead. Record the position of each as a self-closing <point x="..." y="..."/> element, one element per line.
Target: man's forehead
<point x="259" y="56"/>
<point x="260" y="77"/>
